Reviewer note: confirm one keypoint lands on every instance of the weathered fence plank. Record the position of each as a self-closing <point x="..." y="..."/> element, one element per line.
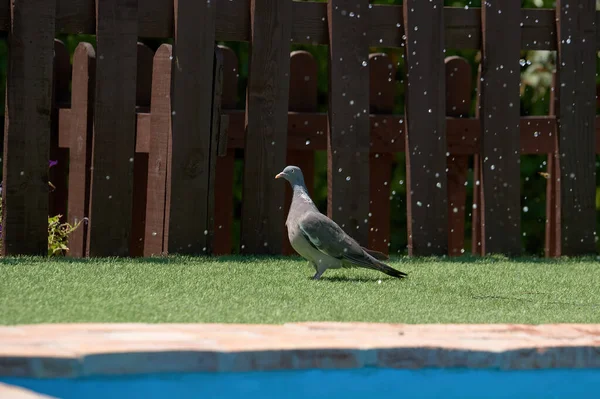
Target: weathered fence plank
<point x="309" y="26"/>
<point x="348" y="134"/>
<point x="552" y="234"/>
<point x="225" y="164"/>
<point x="158" y="168"/>
<point x="59" y="173"/>
<point x="191" y="123"/>
<point x="382" y="88"/>
<point x="76" y="131"/>
<point x="114" y="129"/>
<point x="266" y="119"/>
<point x="217" y="94"/>
<point x="27" y="127"/>
<point x="303" y="98"/>
<point x="576" y="114"/>
<point x="140" y="161"/>
<point x="458" y="104"/>
<point x="500" y="119"/>
<point x="476" y="218"/>
<point x="427" y="197"/>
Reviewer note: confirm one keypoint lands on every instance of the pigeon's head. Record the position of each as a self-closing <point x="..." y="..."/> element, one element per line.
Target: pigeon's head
<point x="293" y="174"/>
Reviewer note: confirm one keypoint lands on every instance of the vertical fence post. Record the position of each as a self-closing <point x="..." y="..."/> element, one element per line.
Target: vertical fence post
<point x="427" y="217"/>
<point x="266" y="121"/>
<point x="225" y="164"/>
<point x="114" y="128"/>
<point x="576" y="117"/>
<point x="60" y="97"/>
<point x="382" y="87"/>
<point x="27" y="127"/>
<point x="75" y="133"/>
<point x="476" y="219"/>
<point x="458" y="105"/>
<point x="158" y="192"/>
<point x="348" y="137"/>
<point x="500" y="119"/>
<point x="303" y="98"/>
<point x="191" y="98"/>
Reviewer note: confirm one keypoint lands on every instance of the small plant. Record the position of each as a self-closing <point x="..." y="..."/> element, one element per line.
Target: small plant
<point x="58" y="233"/>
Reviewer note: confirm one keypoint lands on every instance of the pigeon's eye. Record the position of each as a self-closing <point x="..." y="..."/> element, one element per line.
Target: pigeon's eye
<point x="292" y="170"/>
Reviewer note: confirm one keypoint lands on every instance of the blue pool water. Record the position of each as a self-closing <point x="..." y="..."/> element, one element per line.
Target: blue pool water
<point x="347" y="384"/>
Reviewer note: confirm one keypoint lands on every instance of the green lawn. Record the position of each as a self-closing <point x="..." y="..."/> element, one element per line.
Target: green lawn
<point x="278" y="290"/>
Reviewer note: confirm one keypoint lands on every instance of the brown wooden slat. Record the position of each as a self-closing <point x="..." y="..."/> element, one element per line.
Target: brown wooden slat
<point x="114" y="129"/>
<point x="27" y="128"/>
<point x="60" y="95"/>
<point x="382" y="87"/>
<point x="266" y="119"/>
<point x="500" y="120"/>
<point x="348" y="131"/>
<point x="217" y="94"/>
<point x="576" y="71"/>
<point x="552" y="233"/>
<point x="458" y="104"/>
<point x="427" y="197"/>
<point x="225" y="165"/>
<point x="302" y="98"/>
<point x="462" y="26"/>
<point x="140" y="160"/>
<point x="76" y="131"/>
<point x="191" y="123"/>
<point x="160" y="133"/>
<point x="476" y="219"/>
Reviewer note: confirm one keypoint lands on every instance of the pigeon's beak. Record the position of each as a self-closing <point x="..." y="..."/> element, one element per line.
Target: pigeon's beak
<point x="279" y="175"/>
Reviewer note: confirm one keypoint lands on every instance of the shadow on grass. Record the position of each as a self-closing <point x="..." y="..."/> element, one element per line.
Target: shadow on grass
<point x="345" y="279"/>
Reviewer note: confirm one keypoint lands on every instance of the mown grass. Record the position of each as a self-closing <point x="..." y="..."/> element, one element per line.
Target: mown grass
<point x="279" y="290"/>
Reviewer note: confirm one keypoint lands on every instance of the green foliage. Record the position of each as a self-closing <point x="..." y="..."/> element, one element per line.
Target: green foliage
<point x="58" y="235"/>
<point x="279" y="290"/>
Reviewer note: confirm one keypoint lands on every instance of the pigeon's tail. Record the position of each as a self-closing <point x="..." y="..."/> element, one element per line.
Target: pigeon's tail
<point x="390" y="271"/>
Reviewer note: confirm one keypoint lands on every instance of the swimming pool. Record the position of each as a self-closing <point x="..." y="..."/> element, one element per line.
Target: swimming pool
<point x="347" y="384"/>
<point x="299" y="360"/>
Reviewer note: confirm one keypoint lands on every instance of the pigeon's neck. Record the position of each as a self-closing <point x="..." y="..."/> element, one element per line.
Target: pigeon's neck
<point x="301" y="193"/>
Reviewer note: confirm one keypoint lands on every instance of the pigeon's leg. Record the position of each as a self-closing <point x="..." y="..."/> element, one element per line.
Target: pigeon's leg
<point x="318" y="275"/>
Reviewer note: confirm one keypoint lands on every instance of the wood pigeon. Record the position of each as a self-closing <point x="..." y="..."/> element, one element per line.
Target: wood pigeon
<point x="320" y="240"/>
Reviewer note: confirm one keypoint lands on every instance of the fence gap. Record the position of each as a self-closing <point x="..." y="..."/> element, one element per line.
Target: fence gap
<point x="142" y="147"/>
<point x="59" y="173"/>
<point x="458" y="105"/>
<point x="382" y="88"/>
<point x="303" y="98"/>
<point x="225" y="163"/>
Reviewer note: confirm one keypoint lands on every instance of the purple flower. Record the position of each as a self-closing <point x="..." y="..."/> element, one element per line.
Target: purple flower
<point x="52" y="163"/>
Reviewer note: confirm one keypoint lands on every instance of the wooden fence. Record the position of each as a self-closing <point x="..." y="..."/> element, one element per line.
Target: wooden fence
<point x="145" y="141"/>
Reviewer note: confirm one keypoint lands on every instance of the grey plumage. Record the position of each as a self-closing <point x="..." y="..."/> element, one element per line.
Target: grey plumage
<point x="320" y="240"/>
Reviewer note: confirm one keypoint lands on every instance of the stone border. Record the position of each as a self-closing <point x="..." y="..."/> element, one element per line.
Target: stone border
<point x="82" y="350"/>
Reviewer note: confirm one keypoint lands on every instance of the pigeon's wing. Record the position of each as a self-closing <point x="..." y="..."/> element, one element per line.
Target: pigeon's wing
<point x="326" y="236"/>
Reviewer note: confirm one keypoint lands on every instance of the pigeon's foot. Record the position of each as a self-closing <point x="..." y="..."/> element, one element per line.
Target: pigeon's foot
<point x="318" y="275"/>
